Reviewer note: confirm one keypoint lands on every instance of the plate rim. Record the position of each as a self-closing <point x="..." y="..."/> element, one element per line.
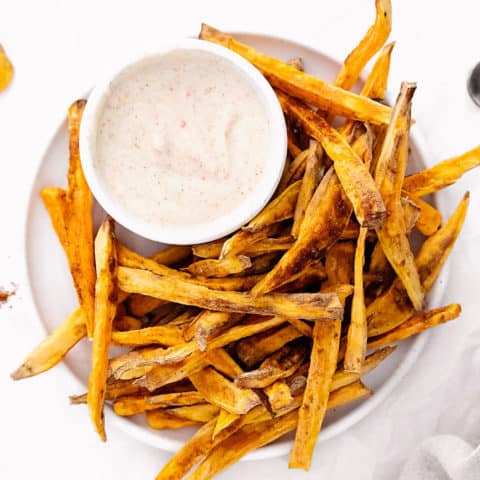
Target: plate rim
<point x="149" y="437"/>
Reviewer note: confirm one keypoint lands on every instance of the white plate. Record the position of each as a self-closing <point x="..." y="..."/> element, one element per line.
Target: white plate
<point x="54" y="296"/>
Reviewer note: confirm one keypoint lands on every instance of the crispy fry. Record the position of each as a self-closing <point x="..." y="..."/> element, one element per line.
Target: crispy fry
<point x="140" y="305"/>
<point x="429" y="218"/>
<point x="281" y="364"/>
<point x="224" y="363"/>
<point x="295" y="170"/>
<point x="311" y="178"/>
<point x="224" y="420"/>
<point x="309" y="89"/>
<point x="280" y="208"/>
<point x="221" y="392"/>
<point x="163" y="420"/>
<point x="323" y="361"/>
<point x="6" y="70"/>
<point x="210" y="249"/>
<point x="166" y="335"/>
<point x="53" y="348"/>
<point x="352" y="173"/>
<point x="201" y="413"/>
<point x="210" y="323"/>
<point x="78" y="221"/>
<point x="357" y="331"/>
<point x="339" y="263"/>
<point x="133" y="404"/>
<point x="394" y="307"/>
<point x="325" y="219"/>
<point x="172" y="254"/>
<point x="376" y="84"/>
<point x="279" y="396"/>
<point x="411" y="213"/>
<point x="220" y="268"/>
<point x="125" y="323"/>
<point x="269" y="245"/>
<point x="301" y="326"/>
<point x="370" y="44"/>
<point x="307" y="306"/>
<point x="105" y="309"/>
<point x="416" y="324"/>
<point x="441" y="175"/>
<point x="54" y="199"/>
<point x="389" y="174"/>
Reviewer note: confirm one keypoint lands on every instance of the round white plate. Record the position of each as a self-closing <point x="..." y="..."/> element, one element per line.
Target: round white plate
<point x="54" y="296"/>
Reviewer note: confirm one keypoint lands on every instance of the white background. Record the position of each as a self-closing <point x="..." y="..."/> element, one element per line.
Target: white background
<point x="60" y="48"/>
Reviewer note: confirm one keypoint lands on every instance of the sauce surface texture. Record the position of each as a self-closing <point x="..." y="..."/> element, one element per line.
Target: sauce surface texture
<point x="182" y="138"/>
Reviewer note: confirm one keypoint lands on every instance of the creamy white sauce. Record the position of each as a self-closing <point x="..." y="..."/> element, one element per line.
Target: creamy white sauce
<point x="182" y="139"/>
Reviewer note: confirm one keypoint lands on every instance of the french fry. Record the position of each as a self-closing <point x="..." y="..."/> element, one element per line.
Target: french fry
<point x="254" y="349"/>
<point x="376" y="84"/>
<point x="389" y="174"/>
<point x="394" y="307"/>
<point x="141" y="305"/>
<point x="323" y="362"/>
<point x="224" y="420"/>
<point x="279" y="396"/>
<point x="416" y="324"/>
<point x="220" y="268"/>
<point x="269" y="245"/>
<point x="105" y="309"/>
<point x="357" y="331"/>
<point x="224" y="363"/>
<point x="6" y="70"/>
<point x="301" y="326"/>
<point x="280" y="208"/>
<point x="172" y="255"/>
<point x="306" y="87"/>
<point x="306" y="306"/>
<point x="210" y="323"/>
<point x="53" y="348"/>
<point x="78" y="221"/>
<point x="311" y="178"/>
<point x="441" y="175"/>
<point x="370" y="44"/>
<point x="211" y="249"/>
<point x="295" y="170"/>
<point x="219" y="391"/>
<point x="126" y="323"/>
<point x="325" y="219"/>
<point x="201" y="413"/>
<point x="163" y="420"/>
<point x="134" y="404"/>
<point x="54" y="199"/>
<point x="115" y="389"/>
<point x="339" y="263"/>
<point x="166" y="335"/>
<point x="352" y="173"/>
<point x="429" y="218"/>
<point x="411" y="213"/>
<point x="281" y="364"/>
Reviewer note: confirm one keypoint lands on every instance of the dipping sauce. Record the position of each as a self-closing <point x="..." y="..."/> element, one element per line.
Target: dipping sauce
<point x="182" y="138"/>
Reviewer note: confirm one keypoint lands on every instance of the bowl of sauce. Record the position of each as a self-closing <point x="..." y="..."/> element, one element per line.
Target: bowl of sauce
<point x="184" y="145"/>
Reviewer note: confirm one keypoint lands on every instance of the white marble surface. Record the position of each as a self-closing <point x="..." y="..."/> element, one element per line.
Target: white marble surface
<point x="59" y="48"/>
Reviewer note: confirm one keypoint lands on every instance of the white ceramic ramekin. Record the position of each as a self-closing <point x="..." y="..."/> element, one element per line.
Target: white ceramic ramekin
<point x="201" y="232"/>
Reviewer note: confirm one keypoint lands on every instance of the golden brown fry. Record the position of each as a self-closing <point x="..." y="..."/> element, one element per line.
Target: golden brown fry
<point x="389" y="174"/>
<point x="307" y="306"/>
<point x="78" y="221"/>
<point x="220" y="268"/>
<point x="280" y="208"/>
<point x="306" y="87"/>
<point x="376" y="83"/>
<point x="254" y="349"/>
<point x="140" y="305"/>
<point x="301" y="326"/>
<point x="279" y="396"/>
<point x="166" y="335"/>
<point x="325" y="219"/>
<point x="311" y="178"/>
<point x="394" y="307"/>
<point x="210" y="249"/>
<point x="357" y="331"/>
<point x="416" y="324"/>
<point x="224" y="363"/>
<point x="210" y="323"/>
<point x="201" y="413"/>
<point x="369" y="45"/>
<point x="429" y="218"/>
<point x="133" y="404"/>
<point x="216" y="389"/>
<point x="224" y="420"/>
<point x="352" y="172"/>
<point x="163" y="420"/>
<point x="54" y="199"/>
<point x="339" y="263"/>
<point x="105" y="309"/>
<point x="172" y="254"/>
<point x="323" y="362"/>
<point x="441" y="175"/>
<point x="269" y="245"/>
<point x="411" y="213"/>
<point x="53" y="348"/>
<point x="281" y="364"/>
<point x="295" y="170"/>
<point x="126" y="323"/>
<point x="6" y="70"/>
<point x="297" y="63"/>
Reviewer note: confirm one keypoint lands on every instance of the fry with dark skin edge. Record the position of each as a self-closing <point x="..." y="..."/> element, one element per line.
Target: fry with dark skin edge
<point x="416" y="324"/>
<point x="78" y="221"/>
<point x="323" y="362"/>
<point x="294" y="170"/>
<point x="307" y="306"/>
<point x="220" y="268"/>
<point x="357" y="331"/>
<point x="53" y="348"/>
<point x="211" y="323"/>
<point x="429" y="218"/>
<point x="441" y="175"/>
<point x="352" y="173"/>
<point x="309" y="89"/>
<point x="325" y="219"/>
<point x="105" y="309"/>
<point x="125" y="323"/>
<point x="394" y="307"/>
<point x="389" y="173"/>
<point x="279" y="396"/>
